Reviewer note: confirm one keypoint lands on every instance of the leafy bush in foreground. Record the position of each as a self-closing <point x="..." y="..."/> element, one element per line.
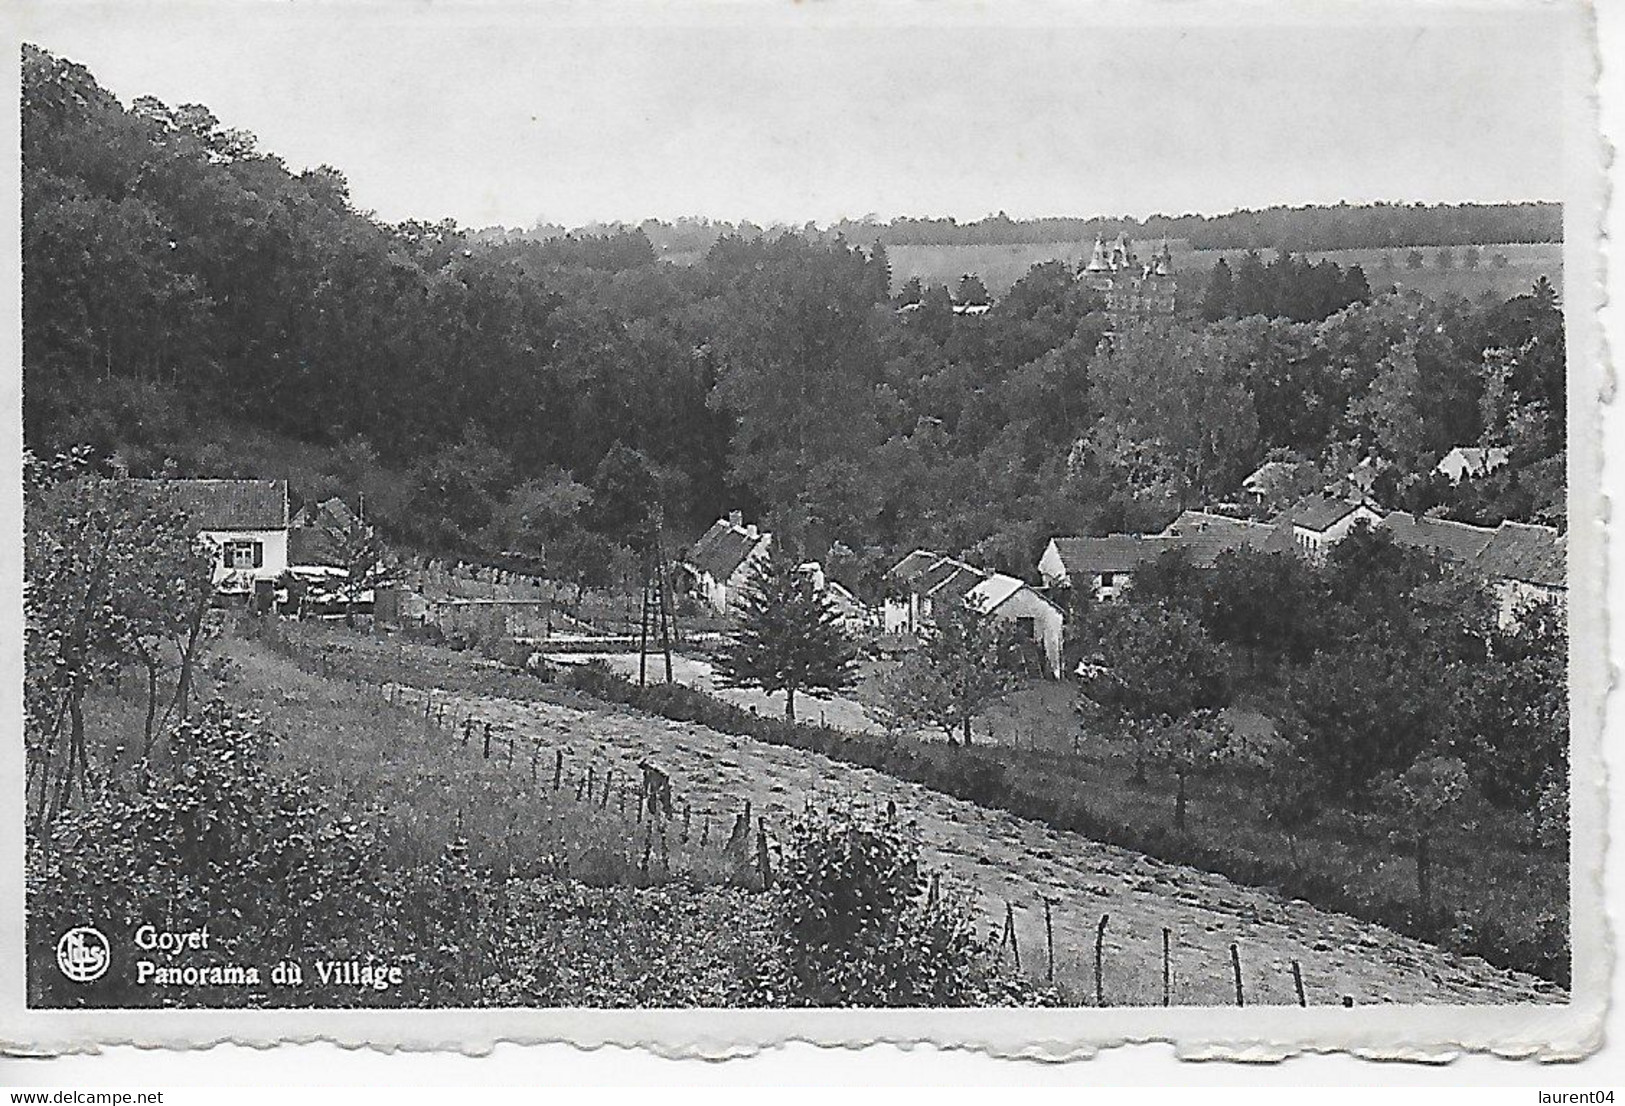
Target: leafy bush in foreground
<point x="861" y="929"/>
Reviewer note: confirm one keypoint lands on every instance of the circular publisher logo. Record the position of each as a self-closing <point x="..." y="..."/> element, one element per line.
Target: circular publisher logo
<point x="83" y="954"/>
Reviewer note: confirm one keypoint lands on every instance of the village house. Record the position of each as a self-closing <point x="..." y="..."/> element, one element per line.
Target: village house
<point x="721" y="562"/>
<point x="1038" y="620"/>
<point x="1318" y="522"/>
<point x="1105" y="565"/>
<point x="246" y="521"/>
<point x="921" y="580"/>
<point x="925" y="581"/>
<point x="1525" y="564"/>
<point x="1470" y="462"/>
<point x="852" y="614"/>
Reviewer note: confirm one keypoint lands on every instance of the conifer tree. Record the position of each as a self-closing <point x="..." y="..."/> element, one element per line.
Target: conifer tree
<point x="789" y="638"/>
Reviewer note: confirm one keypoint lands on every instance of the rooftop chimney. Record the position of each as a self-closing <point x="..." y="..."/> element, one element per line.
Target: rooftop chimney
<point x="736" y="518"/>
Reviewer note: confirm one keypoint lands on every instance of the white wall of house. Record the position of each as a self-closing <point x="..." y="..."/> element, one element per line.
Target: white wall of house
<point x="1513" y="597"/>
<point x="1316" y="543"/>
<point x="1046" y="624"/>
<point x="235" y="554"/>
<point x="1051" y="568"/>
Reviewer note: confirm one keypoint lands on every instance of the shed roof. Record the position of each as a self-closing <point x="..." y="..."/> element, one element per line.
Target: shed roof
<point x="228" y="504"/>
<point x="1532" y="554"/>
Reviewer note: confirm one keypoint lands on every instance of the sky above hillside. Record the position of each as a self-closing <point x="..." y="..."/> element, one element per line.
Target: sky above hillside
<point x="505" y="114"/>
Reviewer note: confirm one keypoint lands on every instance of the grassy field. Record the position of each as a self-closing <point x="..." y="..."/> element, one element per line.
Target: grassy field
<point x="1000" y="266"/>
<point x="1345" y="861"/>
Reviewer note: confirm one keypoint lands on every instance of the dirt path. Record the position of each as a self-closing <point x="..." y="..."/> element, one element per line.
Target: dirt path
<point x="999" y="857"/>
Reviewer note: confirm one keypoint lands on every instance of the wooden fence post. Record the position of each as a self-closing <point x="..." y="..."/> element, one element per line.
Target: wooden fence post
<point x="468" y="726"/>
<point x="685" y="822"/>
<point x="1010" y="932"/>
<point x="1167" y="967"/>
<point x="705" y="829"/>
<point x="1049" y="938"/>
<point x="590" y="771"/>
<point x="487" y="754"/>
<point x="1235" y="965"/>
<point x="558" y="768"/>
<point x="1100" y="958"/>
<point x="535" y="755"/>
<point x="1297" y="983"/>
<point x="762" y="863"/>
<point x="510" y="745"/>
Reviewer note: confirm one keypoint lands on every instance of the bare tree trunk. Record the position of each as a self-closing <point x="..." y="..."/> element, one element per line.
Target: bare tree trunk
<point x="194" y="630"/>
<point x="150" y="662"/>
<point x="790" y="704"/>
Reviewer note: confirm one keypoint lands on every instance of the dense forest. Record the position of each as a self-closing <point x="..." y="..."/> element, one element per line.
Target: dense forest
<point x="543" y="393"/>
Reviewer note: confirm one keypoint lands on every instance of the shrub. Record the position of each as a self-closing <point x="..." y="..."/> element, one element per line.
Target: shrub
<point x="209" y="838"/>
<point x="860" y="928"/>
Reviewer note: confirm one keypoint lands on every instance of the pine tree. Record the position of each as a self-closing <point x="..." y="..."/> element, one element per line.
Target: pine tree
<point x="789" y="638"/>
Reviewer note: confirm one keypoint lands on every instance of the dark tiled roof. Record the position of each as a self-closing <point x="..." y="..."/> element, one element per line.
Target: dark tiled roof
<point x="312" y="545"/>
<point x="947" y="577"/>
<point x="722" y="549"/>
<point x="1317" y="512"/>
<point x="1113" y="553"/>
<point x="1533" y="554"/>
<point x="228" y="504"/>
<point x="1460" y="541"/>
<point x="959" y="583"/>
<point x="913" y="564"/>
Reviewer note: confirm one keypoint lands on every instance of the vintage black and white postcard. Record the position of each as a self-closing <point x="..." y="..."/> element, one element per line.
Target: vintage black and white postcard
<point x="696" y="525"/>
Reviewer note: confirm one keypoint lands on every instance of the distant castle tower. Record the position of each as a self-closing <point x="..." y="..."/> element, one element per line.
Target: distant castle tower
<point x="1133" y="290"/>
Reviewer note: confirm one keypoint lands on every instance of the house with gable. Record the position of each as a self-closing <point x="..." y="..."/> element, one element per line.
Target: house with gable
<point x="721" y="563"/>
<point x="1318" y="522"/>
<point x="1105" y="565"/>
<point x="1525" y="564"/>
<point x="245" y="521"/>
<point x="1038" y="620"/>
<point x="925" y="582"/>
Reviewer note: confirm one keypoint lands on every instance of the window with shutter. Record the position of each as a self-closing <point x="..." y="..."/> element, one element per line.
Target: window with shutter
<point x="259" y="554"/>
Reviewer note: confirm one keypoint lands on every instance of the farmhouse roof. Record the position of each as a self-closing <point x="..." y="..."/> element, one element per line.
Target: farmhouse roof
<point x="1532" y="554"/>
<point x="228" y="504"/>
<point x="913" y="564"/>
<point x="947" y="577"/>
<point x="1112" y="553"/>
<point x="1460" y="541"/>
<point x="309" y="546"/>
<point x="723" y="548"/>
<point x="1319" y="512"/>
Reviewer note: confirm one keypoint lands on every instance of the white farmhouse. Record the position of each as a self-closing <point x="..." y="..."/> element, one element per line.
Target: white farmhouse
<point x="1319" y="522"/>
<point x="722" y="561"/>
<point x="1008" y="599"/>
<point x="246" y="521"/>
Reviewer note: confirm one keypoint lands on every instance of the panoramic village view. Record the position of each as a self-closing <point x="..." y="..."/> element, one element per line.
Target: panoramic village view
<point x="1063" y="612"/>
